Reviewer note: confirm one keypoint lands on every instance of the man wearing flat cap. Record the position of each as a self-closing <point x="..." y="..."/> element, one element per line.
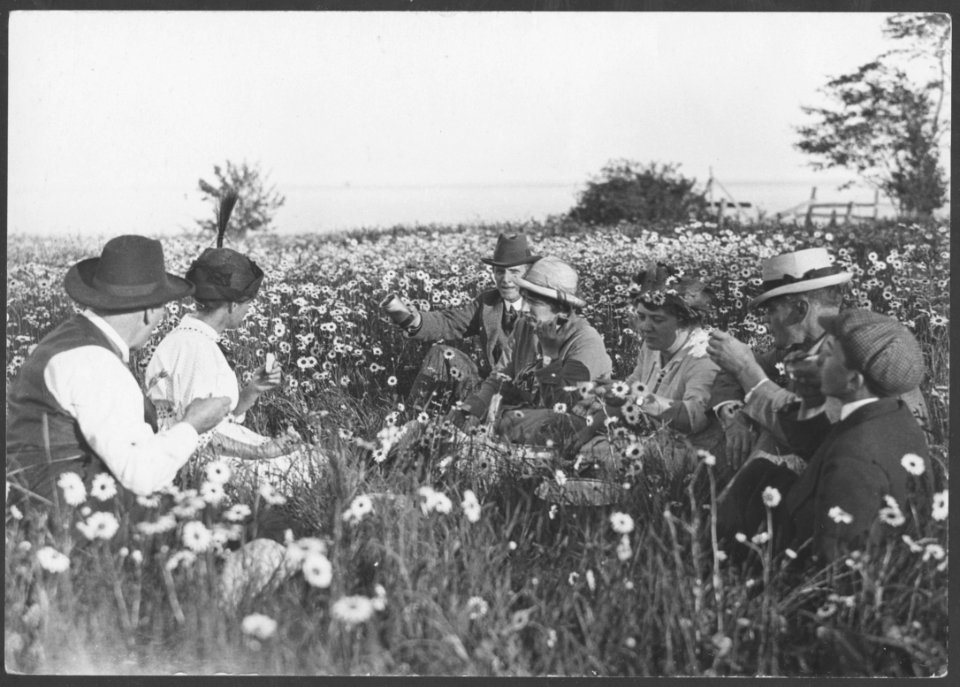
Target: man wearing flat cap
<point x="491" y="316"/>
<point x="75" y="405"/>
<point x="799" y="288"/>
<point x="863" y="462"/>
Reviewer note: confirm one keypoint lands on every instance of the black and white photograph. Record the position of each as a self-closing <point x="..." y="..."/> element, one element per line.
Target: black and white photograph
<point x="477" y="343"/>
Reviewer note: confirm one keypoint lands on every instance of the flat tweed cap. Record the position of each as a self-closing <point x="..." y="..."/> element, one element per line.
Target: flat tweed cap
<point x="879" y="347"/>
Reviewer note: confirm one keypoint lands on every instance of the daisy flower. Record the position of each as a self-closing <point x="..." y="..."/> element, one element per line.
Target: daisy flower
<point x="624" y="551"/>
<point x="392" y="380"/>
<point x="470" y="505"/>
<point x="74" y="493"/>
<point x="940" y="505"/>
<point x="237" y="513"/>
<point x="103" y="487"/>
<point x="840" y="516"/>
<point x="52" y="560"/>
<point x="477" y="607"/>
<point x="100" y="525"/>
<point x="891" y="513"/>
<point x="317" y="570"/>
<point x="212" y="492"/>
<point x="771" y="497"/>
<point x="259" y="626"/>
<point x="218" y="471"/>
<point x="271" y="495"/>
<point x="913" y="464"/>
<point x="621" y="523"/>
<point x="708" y="458"/>
<point x="196" y="536"/>
<point x="352" y="610"/>
<point x="619" y="389"/>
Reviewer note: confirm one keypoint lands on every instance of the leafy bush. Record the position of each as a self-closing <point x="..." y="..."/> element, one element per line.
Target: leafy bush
<point x="632" y="192"/>
<point x="256" y="204"/>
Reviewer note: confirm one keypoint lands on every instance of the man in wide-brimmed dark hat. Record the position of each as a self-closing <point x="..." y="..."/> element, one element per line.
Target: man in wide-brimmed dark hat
<point x="799" y="288"/>
<point x="75" y="405"/>
<point x="491" y="316"/>
<point x="860" y="467"/>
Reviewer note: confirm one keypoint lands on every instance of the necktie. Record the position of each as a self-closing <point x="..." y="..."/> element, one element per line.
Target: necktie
<point x="510" y="320"/>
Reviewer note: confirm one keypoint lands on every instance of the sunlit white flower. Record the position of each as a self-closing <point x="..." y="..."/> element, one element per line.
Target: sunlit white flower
<point x="352" y="610"/>
<point x="740" y="537"/>
<point x="708" y="458"/>
<point x="591" y="580"/>
<point x="183" y="557"/>
<point x="934" y="551"/>
<point x="477" y="607"/>
<point x="164" y="523"/>
<point x="379" y="600"/>
<point x="103" y="486"/>
<point x="826" y="610"/>
<point x="218" y="471"/>
<point x="237" y="512"/>
<point x="360" y="507"/>
<point x="151" y="501"/>
<point x="771" y="497"/>
<point x="471" y="506"/>
<point x="624" y="550"/>
<point x="848" y="601"/>
<point x="913" y="464"/>
<point x="760" y="538"/>
<point x="891" y="513"/>
<point x="840" y="516"/>
<point x="560" y="408"/>
<point x="74" y="492"/>
<point x="258" y="625"/>
<point x="940" y="505"/>
<point x="560" y="478"/>
<point x="196" y="536"/>
<point x="298" y="551"/>
<point x="100" y="525"/>
<point x="52" y="560"/>
<point x="271" y="495"/>
<point x="621" y="523"/>
<point x="551" y="638"/>
<point x="512" y="545"/>
<point x="212" y="492"/>
<point x="317" y="570"/>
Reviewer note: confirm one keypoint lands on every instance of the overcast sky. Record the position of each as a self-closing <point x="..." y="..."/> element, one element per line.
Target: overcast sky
<point x="113" y="116"/>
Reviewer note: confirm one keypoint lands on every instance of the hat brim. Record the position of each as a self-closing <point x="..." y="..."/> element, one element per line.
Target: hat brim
<point x="513" y="263"/>
<point x="551" y="293"/>
<point x="802" y="286"/>
<point x="79" y="286"/>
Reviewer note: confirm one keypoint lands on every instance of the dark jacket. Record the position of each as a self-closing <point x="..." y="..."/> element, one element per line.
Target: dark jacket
<point x="483" y="317"/>
<point x="853" y="468"/>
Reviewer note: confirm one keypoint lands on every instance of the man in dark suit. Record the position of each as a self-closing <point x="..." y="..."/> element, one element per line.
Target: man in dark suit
<point x="861" y="468"/>
<point x="491" y="316"/>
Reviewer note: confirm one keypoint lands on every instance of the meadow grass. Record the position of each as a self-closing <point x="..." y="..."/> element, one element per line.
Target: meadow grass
<point x="525" y="588"/>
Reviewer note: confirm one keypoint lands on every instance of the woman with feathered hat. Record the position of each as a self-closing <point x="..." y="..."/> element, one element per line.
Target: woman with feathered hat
<point x="674" y="383"/>
<point x="189" y="362"/>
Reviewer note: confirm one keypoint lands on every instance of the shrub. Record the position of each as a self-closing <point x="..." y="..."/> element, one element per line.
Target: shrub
<point x="629" y="191"/>
<point x="257" y="203"/>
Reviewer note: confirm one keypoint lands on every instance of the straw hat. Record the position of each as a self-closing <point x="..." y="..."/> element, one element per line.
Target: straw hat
<point x="511" y="250"/>
<point x="129" y="274"/>
<point x="552" y="278"/>
<point x="797" y="272"/>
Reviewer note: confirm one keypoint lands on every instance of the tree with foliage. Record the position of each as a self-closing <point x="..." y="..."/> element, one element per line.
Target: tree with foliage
<point x="633" y="192"/>
<point x="256" y="202"/>
<point x="885" y="125"/>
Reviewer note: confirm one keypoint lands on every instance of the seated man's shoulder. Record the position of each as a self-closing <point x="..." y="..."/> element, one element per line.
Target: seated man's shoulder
<point x="489" y="297"/>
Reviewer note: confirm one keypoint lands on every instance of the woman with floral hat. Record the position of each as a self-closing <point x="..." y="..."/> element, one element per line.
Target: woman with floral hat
<point x="190" y="363"/>
<point x="674" y="383"/>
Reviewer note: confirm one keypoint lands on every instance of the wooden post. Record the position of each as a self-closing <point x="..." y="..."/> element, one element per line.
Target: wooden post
<point x="876" y="204"/>
<point x="813" y="197"/>
<point x="846" y="220"/>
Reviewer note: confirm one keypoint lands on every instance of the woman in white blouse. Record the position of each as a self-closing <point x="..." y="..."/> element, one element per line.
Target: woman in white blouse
<point x="189" y="363"/>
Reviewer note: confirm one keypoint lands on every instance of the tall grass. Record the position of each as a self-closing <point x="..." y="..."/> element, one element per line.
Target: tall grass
<point x="529" y="588"/>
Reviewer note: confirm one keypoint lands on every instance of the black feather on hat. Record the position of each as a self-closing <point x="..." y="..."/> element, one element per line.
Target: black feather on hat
<point x="223" y="274"/>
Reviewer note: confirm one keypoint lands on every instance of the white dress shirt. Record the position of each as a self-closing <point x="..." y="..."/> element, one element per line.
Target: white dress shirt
<point x="95" y="387"/>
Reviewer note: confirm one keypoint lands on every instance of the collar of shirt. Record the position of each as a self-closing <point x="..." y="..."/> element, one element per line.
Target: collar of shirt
<point x="514" y="306"/>
<point x="848" y="408"/>
<point x="111" y="334"/>
<point x="191" y="323"/>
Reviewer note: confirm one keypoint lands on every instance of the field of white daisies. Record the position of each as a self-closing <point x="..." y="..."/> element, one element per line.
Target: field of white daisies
<point x="427" y="565"/>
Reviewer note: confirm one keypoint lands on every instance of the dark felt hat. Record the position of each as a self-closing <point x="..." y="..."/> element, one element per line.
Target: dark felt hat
<point x="223" y="274"/>
<point x="129" y="274"/>
<point x="511" y="250"/>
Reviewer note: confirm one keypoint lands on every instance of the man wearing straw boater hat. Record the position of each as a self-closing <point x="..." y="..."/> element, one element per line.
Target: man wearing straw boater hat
<point x="861" y="467"/>
<point x="799" y="288"/>
<point x="491" y="316"/>
<point x="75" y="405"/>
